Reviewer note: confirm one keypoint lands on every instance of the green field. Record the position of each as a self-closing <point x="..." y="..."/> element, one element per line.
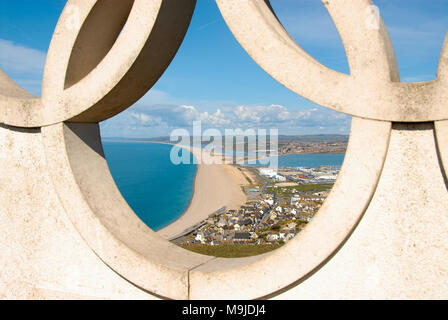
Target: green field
<point x="233" y="250"/>
<point x="287" y="191"/>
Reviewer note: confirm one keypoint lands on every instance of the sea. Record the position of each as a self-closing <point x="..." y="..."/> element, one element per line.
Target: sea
<point x="159" y="191"/>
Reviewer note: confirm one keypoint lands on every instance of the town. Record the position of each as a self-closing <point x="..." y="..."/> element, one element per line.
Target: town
<point x="297" y="146"/>
<point x="279" y="205"/>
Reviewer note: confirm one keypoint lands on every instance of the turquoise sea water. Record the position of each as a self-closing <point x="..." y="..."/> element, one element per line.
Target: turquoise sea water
<point x="159" y="191"/>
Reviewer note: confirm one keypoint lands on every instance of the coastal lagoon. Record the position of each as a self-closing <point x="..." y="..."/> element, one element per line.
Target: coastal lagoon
<point x="305" y="160"/>
<point x="158" y="191"/>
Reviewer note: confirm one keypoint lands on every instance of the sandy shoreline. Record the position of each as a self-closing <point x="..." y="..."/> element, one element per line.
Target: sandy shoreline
<point x="215" y="186"/>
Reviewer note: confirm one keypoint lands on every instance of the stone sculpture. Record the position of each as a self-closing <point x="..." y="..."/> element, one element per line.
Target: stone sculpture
<point x="66" y="232"/>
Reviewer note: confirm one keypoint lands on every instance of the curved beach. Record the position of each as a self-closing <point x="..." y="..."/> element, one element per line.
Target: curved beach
<point x="215" y="186"/>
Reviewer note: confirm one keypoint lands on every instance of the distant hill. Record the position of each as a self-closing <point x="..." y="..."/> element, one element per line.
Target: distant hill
<point x="158" y="139"/>
<point x="314" y="138"/>
<point x="281" y="138"/>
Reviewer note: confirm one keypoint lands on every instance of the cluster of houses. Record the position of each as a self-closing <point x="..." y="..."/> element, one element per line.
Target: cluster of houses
<point x="266" y="220"/>
<point x="271" y="217"/>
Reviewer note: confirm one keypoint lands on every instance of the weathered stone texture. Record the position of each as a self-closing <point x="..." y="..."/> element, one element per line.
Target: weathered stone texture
<point x="66" y="232"/>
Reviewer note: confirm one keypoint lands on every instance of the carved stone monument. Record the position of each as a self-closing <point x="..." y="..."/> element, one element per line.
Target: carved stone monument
<point x="66" y="231"/>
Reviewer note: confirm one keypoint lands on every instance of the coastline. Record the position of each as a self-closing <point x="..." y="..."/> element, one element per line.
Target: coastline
<point x="214" y="186"/>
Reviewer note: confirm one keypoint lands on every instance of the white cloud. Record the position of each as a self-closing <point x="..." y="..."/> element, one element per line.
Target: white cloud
<point x="19" y="59"/>
<point x="158" y="120"/>
<point x="23" y="65"/>
<point x="217" y="119"/>
<point x="146" y="119"/>
<point x="256" y="115"/>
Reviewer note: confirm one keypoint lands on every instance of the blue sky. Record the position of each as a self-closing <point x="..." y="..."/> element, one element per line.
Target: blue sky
<point x="212" y="78"/>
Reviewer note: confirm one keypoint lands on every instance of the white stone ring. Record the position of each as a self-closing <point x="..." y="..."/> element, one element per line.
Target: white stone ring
<point x="372" y="90"/>
<point x="105" y="55"/>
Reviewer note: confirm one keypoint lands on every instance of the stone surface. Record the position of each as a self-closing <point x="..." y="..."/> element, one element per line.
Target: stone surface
<point x="399" y="249"/>
<point x="372" y="90"/>
<point x="89" y="78"/>
<point x="67" y="233"/>
<point x="318" y="241"/>
<point x="42" y="256"/>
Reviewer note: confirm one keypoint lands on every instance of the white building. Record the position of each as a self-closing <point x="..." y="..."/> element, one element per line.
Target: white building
<point x="271" y="173"/>
<point x="221" y="223"/>
<point x="200" y="237"/>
